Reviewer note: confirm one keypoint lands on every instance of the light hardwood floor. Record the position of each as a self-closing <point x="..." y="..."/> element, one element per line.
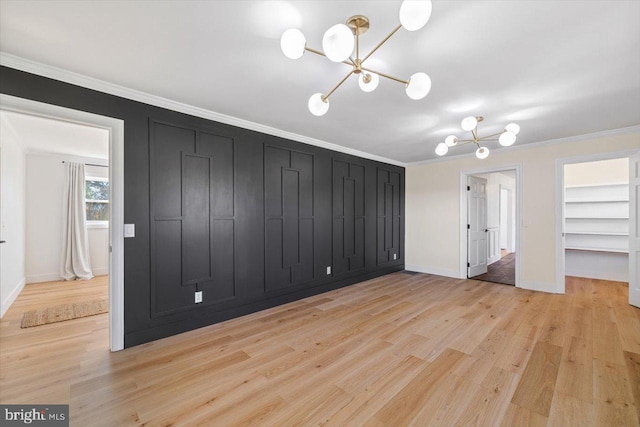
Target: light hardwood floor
<point x="404" y="349"/>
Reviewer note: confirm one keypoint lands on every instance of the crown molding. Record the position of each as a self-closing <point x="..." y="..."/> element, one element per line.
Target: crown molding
<point x="55" y="73"/>
<point x="587" y="136"/>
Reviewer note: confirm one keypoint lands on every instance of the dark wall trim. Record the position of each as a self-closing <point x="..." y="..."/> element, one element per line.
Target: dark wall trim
<point x="231" y="180"/>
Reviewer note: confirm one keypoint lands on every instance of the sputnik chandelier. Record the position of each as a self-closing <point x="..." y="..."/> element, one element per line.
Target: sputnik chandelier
<point x="506" y="138"/>
<point x="338" y="45"/>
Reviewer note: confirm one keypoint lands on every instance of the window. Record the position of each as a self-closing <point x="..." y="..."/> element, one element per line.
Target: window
<point x="97" y="201"/>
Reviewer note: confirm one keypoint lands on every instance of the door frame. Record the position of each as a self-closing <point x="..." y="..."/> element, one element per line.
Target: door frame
<point x="560" y="163"/>
<point x="509" y="219"/>
<point x="116" y="197"/>
<point x="464" y="220"/>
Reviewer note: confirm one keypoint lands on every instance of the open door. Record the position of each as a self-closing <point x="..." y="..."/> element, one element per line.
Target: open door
<point x="634" y="230"/>
<point x="476" y="226"/>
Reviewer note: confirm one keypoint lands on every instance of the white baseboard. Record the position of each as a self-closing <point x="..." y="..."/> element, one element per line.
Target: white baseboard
<point x="492" y="260"/>
<point x="100" y="271"/>
<point x="540" y="287"/>
<point x="616" y="276"/>
<point x="12" y="297"/>
<point x="48" y="277"/>
<point x="434" y="270"/>
<point x="52" y="277"/>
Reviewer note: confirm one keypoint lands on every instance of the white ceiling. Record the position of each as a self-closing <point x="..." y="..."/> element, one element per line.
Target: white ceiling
<point x="557" y="68"/>
<point x="44" y="135"/>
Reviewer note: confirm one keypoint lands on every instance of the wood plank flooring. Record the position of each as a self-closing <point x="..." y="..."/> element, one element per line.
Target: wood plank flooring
<point x="401" y="350"/>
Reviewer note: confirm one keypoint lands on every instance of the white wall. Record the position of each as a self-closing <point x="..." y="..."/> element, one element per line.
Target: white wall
<point x="433" y="206"/>
<point x="12" y="207"/>
<point x="45" y="189"/>
<point x="613" y="171"/>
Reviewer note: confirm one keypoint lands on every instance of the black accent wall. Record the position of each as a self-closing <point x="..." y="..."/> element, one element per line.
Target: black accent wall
<point x="249" y="219"/>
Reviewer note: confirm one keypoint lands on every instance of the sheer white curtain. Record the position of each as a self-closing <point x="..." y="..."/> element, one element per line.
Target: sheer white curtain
<point x="74" y="263"/>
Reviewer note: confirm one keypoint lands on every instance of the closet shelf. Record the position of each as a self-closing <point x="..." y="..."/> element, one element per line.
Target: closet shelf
<point x="575" y="248"/>
<point x="598" y="201"/>
<point x="597" y="233"/>
<point x="597" y="217"/>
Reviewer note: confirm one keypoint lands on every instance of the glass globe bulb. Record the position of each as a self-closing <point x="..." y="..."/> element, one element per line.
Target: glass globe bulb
<point x="292" y="43"/>
<point x="338" y="42"/>
<point x="451" y="141"/>
<point x="419" y="86"/>
<point x="513" y="128"/>
<point x="442" y="149"/>
<point x="414" y="14"/>
<point x="482" y="153"/>
<point x="317" y="105"/>
<point x="507" y="139"/>
<point x="371" y="84"/>
<point x="469" y="123"/>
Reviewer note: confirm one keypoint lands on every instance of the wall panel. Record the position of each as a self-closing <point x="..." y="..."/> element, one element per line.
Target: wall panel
<point x="249" y="219"/>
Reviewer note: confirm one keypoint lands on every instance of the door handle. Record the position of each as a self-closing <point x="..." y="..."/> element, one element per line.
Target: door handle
<point x="486" y="230"/>
<point x="3" y="241"/>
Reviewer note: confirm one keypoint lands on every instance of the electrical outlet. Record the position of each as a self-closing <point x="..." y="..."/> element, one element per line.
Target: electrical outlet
<point x="395" y="256"/>
<point x="129" y="230"/>
<point x="328" y="270"/>
<point x="198" y="297"/>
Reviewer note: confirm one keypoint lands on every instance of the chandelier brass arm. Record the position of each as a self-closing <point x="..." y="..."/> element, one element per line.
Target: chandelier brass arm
<point x="317" y="52"/>
<point x="406" y="82"/>
<point x="341" y="40"/>
<point x="395" y="30"/>
<point x="325" y="97"/>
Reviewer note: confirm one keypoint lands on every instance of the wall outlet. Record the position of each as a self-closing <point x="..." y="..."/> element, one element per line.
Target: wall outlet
<point x="129" y="230"/>
<point x="395" y="256"/>
<point x="328" y="270"/>
<point x="198" y="297"/>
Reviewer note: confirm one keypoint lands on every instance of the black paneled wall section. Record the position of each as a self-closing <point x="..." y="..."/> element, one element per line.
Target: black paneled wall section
<point x="251" y="220"/>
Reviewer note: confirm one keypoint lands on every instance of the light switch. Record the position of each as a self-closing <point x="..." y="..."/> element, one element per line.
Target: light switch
<point x="395" y="256"/>
<point x="198" y="297"/>
<point x="328" y="270"/>
<point x="129" y="230"/>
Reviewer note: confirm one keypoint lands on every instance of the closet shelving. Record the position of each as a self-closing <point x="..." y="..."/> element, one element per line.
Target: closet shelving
<point x="597" y="218"/>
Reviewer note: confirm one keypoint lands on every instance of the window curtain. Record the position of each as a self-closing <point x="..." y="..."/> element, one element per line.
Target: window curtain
<point x="75" y="263"/>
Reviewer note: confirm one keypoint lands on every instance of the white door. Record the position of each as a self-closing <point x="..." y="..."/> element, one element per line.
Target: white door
<point x="634" y="230"/>
<point x="476" y="226"/>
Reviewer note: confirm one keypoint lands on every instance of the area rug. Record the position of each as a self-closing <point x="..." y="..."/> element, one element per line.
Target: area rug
<point x="62" y="312"/>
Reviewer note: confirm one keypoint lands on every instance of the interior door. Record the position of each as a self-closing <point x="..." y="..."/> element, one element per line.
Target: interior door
<point x="476" y="226"/>
<point x="634" y="230"/>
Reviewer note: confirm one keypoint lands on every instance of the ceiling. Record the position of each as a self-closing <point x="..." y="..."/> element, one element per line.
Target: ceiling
<point x="44" y="135"/>
<point x="557" y="68"/>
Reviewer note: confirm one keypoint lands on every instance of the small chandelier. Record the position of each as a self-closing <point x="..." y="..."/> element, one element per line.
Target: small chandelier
<point x="506" y="138"/>
<point x="338" y="45"/>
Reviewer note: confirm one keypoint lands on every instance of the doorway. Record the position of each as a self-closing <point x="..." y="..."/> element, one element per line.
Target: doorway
<point x="596" y="219"/>
<point x="114" y="129"/>
<point x="489" y="232"/>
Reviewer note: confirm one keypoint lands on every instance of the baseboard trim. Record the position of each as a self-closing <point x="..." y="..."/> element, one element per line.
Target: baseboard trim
<point x="600" y="275"/>
<point x="101" y="271"/>
<point x="12" y="297"/>
<point x="434" y="270"/>
<point x="39" y="278"/>
<point x="54" y="277"/>
<point x="549" y="288"/>
<point x="492" y="260"/>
